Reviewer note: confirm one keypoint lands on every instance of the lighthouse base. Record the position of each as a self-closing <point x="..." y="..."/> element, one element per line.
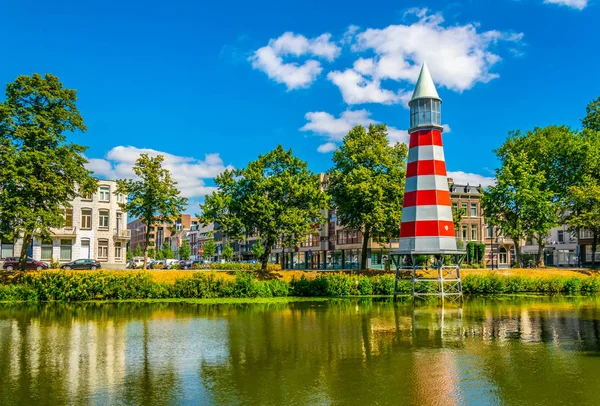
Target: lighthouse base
<point x="430" y="274"/>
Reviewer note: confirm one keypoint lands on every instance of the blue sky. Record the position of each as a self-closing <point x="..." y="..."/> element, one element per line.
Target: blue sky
<point x="214" y="84"/>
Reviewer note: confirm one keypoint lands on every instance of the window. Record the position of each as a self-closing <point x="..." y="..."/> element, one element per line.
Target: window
<point x="119" y="197"/>
<point x="104" y="193"/>
<point x="102" y="249"/>
<point x="46" y="250"/>
<point x="313" y="240"/>
<point x="118" y="251"/>
<point x="69" y="218"/>
<point x="474" y="232"/>
<point x="473" y="209"/>
<point x="490" y="232"/>
<point x="561" y="236"/>
<point x="86" y="219"/>
<point x="66" y="250"/>
<point x="104" y="218"/>
<point x="8" y="249"/>
<point x="465" y="232"/>
<point x="87" y="196"/>
<point x="464" y="208"/>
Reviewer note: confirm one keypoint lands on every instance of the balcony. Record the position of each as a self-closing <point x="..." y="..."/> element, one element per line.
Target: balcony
<point x="64" y="232"/>
<point x="122" y="233"/>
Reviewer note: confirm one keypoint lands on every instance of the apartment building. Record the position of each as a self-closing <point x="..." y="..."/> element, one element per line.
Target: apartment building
<point x="94" y="229"/>
<point x="160" y="232"/>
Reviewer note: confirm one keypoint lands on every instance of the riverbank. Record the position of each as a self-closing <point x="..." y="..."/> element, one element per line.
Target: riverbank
<point x="72" y="286"/>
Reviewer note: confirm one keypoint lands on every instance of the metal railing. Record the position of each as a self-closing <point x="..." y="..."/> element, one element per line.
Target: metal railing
<point x="122" y="233"/>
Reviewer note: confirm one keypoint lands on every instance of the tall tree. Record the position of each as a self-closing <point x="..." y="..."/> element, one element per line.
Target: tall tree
<point x="138" y="251"/>
<point x="583" y="212"/>
<point x="367" y="183"/>
<point x="167" y="252"/>
<point x="257" y="249"/>
<point x="185" y="250"/>
<point x="41" y="171"/>
<point x="591" y="121"/>
<point x="518" y="203"/>
<point x="227" y="252"/>
<point x="276" y="195"/>
<point x="154" y="197"/>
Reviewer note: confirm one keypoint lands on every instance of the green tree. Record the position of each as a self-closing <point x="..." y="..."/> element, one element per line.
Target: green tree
<point x="167" y="253"/>
<point x="276" y="196"/>
<point x="209" y="248"/>
<point x="153" y="197"/>
<point x="227" y="252"/>
<point x="41" y="171"/>
<point x="258" y="249"/>
<point x="151" y="253"/>
<point x="591" y="121"/>
<point x="159" y="255"/>
<point x="367" y="183"/>
<point x="457" y="215"/>
<point x="129" y="255"/>
<point x="518" y="203"/>
<point x="138" y="251"/>
<point x="185" y="251"/>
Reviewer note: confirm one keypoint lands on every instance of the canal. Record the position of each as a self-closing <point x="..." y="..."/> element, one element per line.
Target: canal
<point x="503" y="350"/>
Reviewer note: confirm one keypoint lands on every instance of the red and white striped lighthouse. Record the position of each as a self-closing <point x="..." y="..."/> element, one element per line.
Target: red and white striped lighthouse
<point x="427" y="225"/>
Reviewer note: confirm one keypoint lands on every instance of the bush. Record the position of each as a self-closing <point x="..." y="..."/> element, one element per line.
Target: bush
<point x="13" y="293"/>
<point x="175" y="267"/>
<point x="234" y="266"/>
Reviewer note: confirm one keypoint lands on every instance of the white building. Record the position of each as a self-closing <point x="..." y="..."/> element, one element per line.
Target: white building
<point x="95" y="228"/>
<point x="560" y="249"/>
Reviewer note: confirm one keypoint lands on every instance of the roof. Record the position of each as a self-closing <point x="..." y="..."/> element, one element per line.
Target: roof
<point x="425" y="88"/>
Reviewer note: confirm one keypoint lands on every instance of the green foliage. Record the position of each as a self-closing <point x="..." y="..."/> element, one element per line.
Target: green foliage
<point x="475" y="253"/>
<point x="209" y="248"/>
<point x="151" y="253"/>
<point x="154" y="196"/>
<point x="457" y="215"/>
<point x="138" y="251"/>
<point x="591" y="121"/>
<point x="227" y="252"/>
<point x="17" y="293"/>
<point x="159" y="255"/>
<point x="41" y="171"/>
<point x="519" y="203"/>
<point x="129" y="255"/>
<point x="276" y="196"/>
<point x="175" y="266"/>
<point x="234" y="266"/>
<point x="185" y="251"/>
<point x="583" y="212"/>
<point x="493" y="283"/>
<point x="167" y="253"/>
<point x="367" y="183"/>
<point x="257" y="249"/>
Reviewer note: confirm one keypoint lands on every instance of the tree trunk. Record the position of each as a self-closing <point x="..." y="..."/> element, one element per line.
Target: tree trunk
<point x="363" y="259"/>
<point x="519" y="261"/>
<point x="147" y="238"/>
<point x="594" y="246"/>
<point x="27" y="238"/>
<point x="540" y="259"/>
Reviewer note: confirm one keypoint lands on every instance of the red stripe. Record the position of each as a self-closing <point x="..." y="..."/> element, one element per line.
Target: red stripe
<point x="427" y="198"/>
<point x="427" y="228"/>
<point x="425" y="167"/>
<point x="425" y="137"/>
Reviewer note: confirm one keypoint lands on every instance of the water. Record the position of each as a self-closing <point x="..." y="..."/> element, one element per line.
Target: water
<point x="488" y="351"/>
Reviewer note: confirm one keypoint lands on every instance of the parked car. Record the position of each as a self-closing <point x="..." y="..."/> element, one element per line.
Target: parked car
<point x="185" y="264"/>
<point x="138" y="262"/>
<point x="82" y="264"/>
<point x="11" y="263"/>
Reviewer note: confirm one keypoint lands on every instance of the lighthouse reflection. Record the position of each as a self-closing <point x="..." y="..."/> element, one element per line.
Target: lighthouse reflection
<point x="342" y="352"/>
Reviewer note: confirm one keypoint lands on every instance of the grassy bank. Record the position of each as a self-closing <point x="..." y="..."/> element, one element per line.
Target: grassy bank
<point x="130" y="285"/>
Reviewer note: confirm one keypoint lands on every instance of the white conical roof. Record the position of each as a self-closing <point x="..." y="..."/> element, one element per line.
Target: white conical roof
<point x="425" y="89"/>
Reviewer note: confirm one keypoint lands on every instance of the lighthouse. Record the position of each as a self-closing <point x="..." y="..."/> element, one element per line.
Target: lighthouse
<point x="427" y="227"/>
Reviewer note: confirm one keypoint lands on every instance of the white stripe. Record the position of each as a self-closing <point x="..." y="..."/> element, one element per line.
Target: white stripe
<point x="426" y="182"/>
<point x="426" y="153"/>
<point x="427" y="245"/>
<point x="432" y="212"/>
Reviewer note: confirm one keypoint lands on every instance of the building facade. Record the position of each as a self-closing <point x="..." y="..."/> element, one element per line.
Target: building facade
<point x="160" y="232"/>
<point x="95" y="228"/>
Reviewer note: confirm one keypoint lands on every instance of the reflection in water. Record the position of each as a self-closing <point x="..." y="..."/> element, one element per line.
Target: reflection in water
<point x="487" y="351"/>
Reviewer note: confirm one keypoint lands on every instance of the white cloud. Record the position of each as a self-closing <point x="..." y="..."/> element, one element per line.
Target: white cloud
<point x="187" y="171"/>
<point x="356" y="89"/>
<point x="269" y="59"/>
<point x="327" y="147"/>
<point x="577" y="4"/>
<point x="446" y="128"/>
<point x="458" y="57"/>
<point x="473" y="179"/>
<point x="334" y="129"/>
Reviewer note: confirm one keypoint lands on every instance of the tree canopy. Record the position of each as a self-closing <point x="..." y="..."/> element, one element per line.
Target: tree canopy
<point x="154" y="197"/>
<point x="42" y="172"/>
<point x="209" y="248"/>
<point x="275" y="196"/>
<point x="184" y="250"/>
<point x="367" y="183"/>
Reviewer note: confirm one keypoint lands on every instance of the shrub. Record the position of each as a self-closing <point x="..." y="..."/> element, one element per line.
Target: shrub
<point x="13" y="293"/>
<point x="175" y="267"/>
<point x="234" y="266"/>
